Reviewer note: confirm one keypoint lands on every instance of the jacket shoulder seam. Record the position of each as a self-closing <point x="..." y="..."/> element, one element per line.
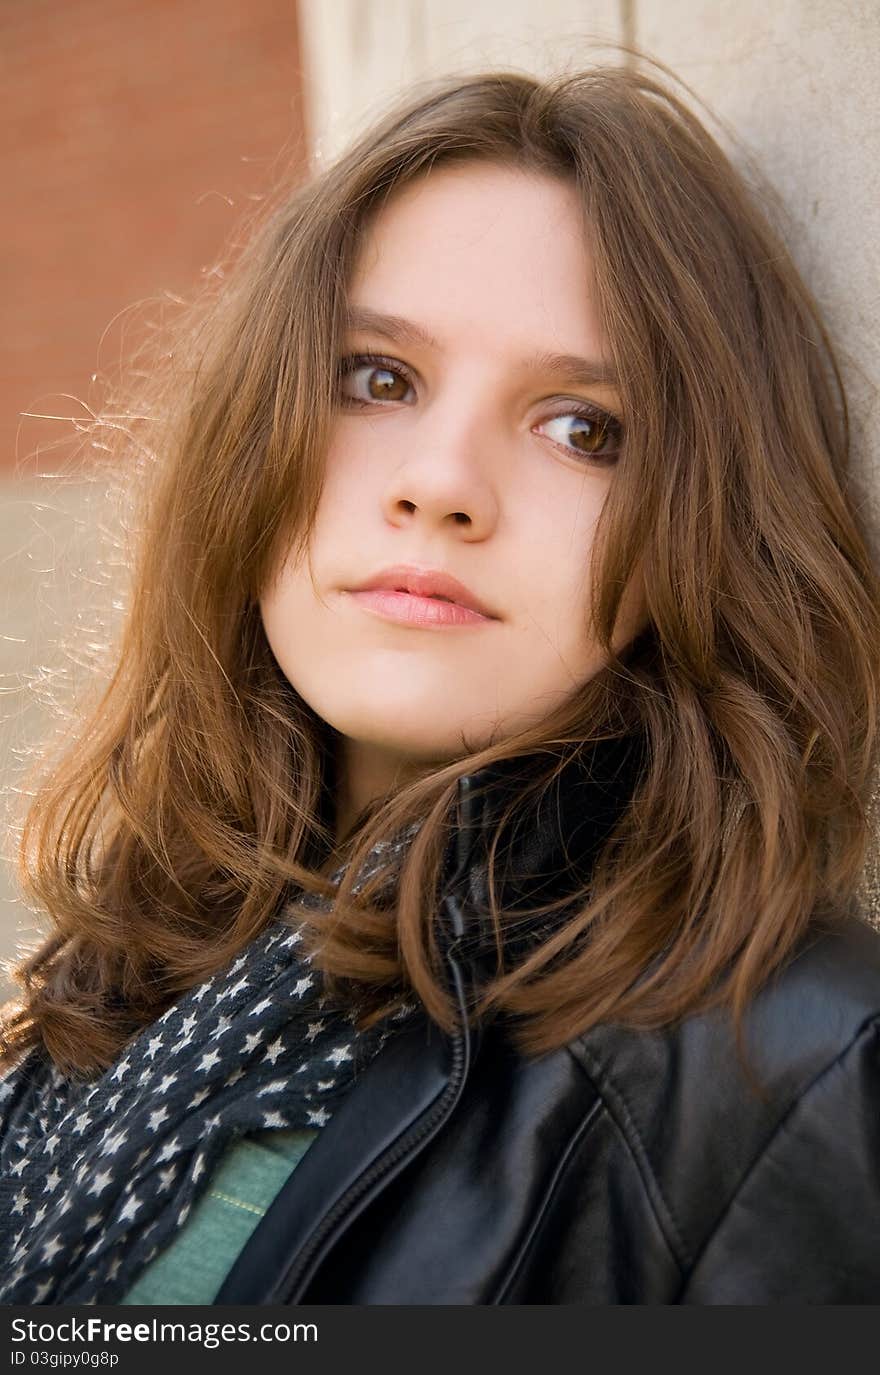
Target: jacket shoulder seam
<point x="871" y="1027"/>
<point x="617" y="1107"/>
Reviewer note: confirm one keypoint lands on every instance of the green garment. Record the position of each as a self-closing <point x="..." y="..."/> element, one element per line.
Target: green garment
<point x="246" y="1179"/>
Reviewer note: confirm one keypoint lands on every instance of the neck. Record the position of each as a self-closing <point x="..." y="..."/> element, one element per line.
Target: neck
<point x="366" y="774"/>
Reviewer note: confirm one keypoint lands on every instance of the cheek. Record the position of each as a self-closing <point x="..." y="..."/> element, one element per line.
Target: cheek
<point x="353" y="448"/>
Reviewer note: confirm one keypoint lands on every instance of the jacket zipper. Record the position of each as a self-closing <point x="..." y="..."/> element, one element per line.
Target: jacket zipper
<point x="304" y="1265"/>
<point x="402" y="1147"/>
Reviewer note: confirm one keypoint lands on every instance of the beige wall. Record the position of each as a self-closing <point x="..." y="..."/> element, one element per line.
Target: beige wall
<point x="56" y="614"/>
<point x="799" y="82"/>
<point x="358" y="53"/>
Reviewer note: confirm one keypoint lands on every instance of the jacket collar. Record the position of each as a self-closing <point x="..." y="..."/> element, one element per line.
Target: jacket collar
<point x="550" y="841"/>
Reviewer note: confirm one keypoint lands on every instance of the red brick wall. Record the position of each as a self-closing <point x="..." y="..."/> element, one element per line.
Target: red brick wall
<point x="128" y="126"/>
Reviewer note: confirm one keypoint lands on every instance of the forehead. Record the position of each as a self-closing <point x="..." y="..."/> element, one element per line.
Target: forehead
<point x="482" y="247"/>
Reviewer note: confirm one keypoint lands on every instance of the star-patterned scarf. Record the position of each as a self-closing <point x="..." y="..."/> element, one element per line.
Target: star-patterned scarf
<point x="96" y="1178"/>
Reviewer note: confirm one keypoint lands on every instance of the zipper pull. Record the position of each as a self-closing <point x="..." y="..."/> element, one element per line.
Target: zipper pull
<point x="467" y="830"/>
<point x="461" y="855"/>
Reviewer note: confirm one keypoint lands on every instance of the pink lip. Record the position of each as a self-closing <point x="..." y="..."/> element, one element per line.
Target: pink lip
<point x="424" y="584"/>
<point x="409" y="609"/>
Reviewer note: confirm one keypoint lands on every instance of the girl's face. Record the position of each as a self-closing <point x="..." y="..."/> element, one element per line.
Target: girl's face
<point x="475" y="436"/>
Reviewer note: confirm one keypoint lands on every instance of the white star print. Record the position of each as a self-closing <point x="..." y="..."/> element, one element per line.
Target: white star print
<point x="92" y="1220"/>
<point x="234" y="1077"/>
<point x="115" y="1265"/>
<point x="339" y="1054"/>
<point x="319" y="1117"/>
<point x="208" y="1061"/>
<point x="157" y="1118"/>
<point x="39" y="1215"/>
<point x="111" y="1143"/>
<point x="199" y="1167"/>
<point x="231" y="991"/>
<point x="41" y="1291"/>
<point x="273" y="1051"/>
<point x="180" y="1045"/>
<point x="221" y="1028"/>
<point x="168" y="1150"/>
<point x="314" y="1028"/>
<point x="251" y="1042"/>
<point x="154" y="1045"/>
<point x="52" y="1144"/>
<point x="273" y="1119"/>
<point x="52" y="1182"/>
<point x="121" y="1070"/>
<point x="167" y="1177"/>
<point x="165" y="1083"/>
<point x="130" y="1208"/>
<point x="18" y="1166"/>
<point x="80" y="1123"/>
<point x="301" y="985"/>
<point x="276" y="1086"/>
<point x="113" y="1101"/>
<point x="51" y="1248"/>
<point x="100" y="1182"/>
<point x="325" y="1084"/>
<point x="21" y="1202"/>
<point x="260" y="1007"/>
<point x="188" y="1023"/>
<point x="198" y="1098"/>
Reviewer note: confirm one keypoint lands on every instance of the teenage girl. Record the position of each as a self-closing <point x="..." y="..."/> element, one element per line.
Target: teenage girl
<point x="453" y="895"/>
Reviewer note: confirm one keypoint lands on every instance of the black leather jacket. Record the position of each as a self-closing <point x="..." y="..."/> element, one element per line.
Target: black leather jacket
<point x="626" y="1167"/>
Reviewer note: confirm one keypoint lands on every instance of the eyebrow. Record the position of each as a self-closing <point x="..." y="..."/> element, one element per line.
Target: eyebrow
<point x="565" y="367"/>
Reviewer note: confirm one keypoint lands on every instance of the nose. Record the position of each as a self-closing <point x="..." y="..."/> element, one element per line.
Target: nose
<point x="444" y="477"/>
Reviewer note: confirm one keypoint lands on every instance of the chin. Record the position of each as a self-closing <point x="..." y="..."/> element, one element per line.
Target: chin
<point x="430" y="735"/>
<point x="418" y="744"/>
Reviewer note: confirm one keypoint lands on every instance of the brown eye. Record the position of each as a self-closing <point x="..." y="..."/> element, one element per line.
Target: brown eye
<point x="591" y="434"/>
<point x="385" y="385"/>
<point x="364" y="380"/>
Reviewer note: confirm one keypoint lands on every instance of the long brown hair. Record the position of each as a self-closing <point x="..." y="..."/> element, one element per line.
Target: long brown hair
<point x="196" y="793"/>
